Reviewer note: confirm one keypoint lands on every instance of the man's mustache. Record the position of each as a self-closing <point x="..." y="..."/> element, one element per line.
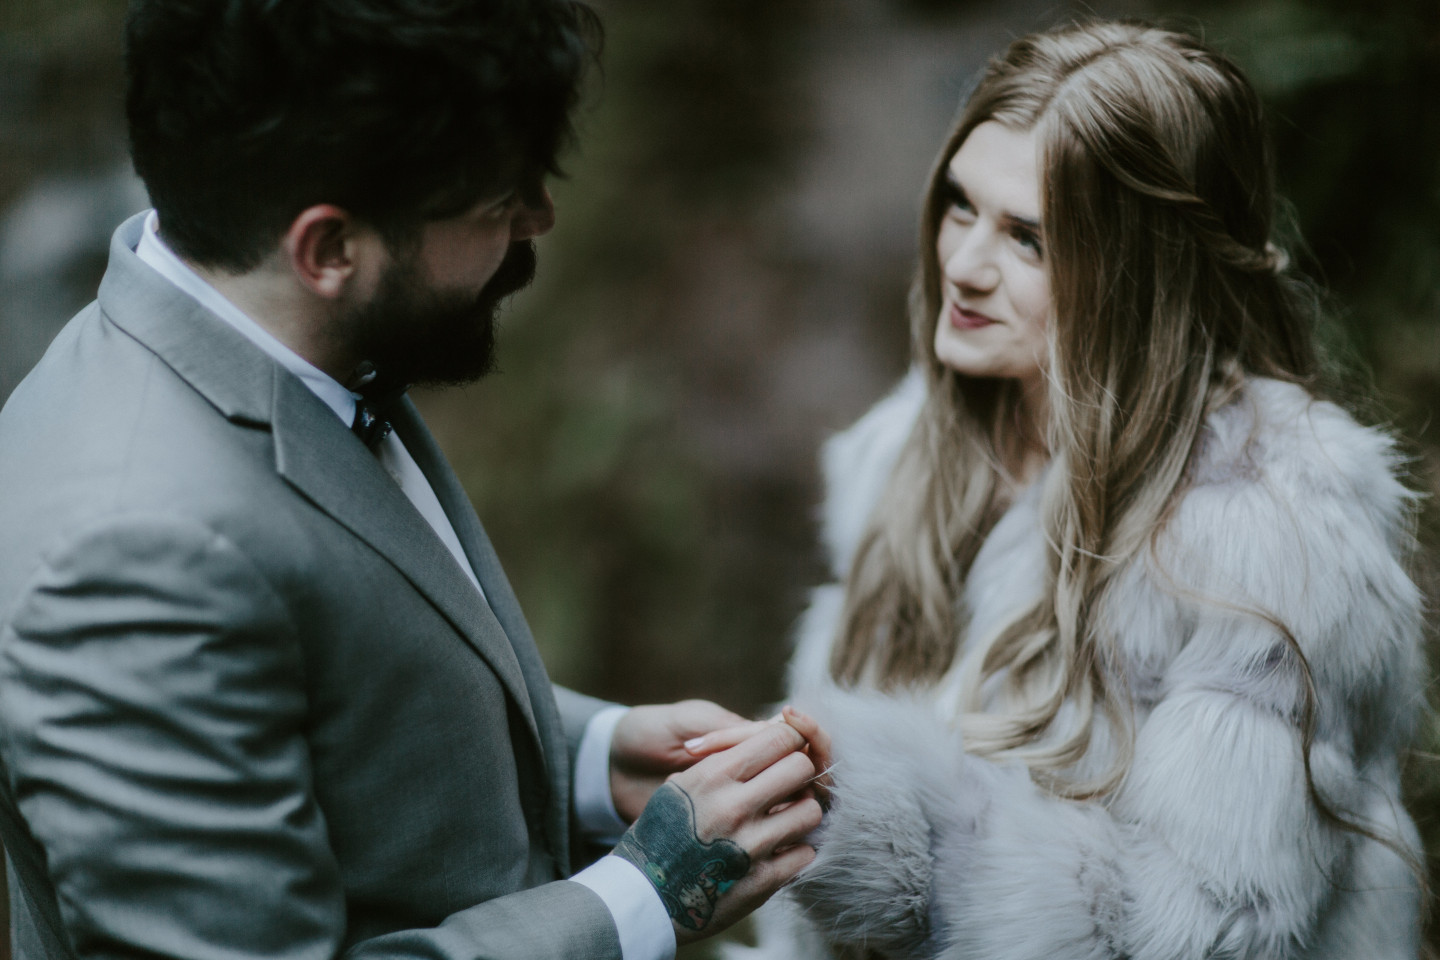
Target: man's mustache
<point x="515" y="272"/>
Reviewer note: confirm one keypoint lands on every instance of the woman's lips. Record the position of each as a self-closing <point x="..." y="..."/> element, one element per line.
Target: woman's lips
<point x="962" y="319"/>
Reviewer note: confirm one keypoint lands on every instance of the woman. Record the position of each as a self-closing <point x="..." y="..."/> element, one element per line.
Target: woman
<point x="1125" y="652"/>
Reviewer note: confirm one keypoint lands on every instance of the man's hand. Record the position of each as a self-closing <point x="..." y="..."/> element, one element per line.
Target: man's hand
<point x="650" y="743"/>
<point x="717" y="840"/>
<point x="817" y="745"/>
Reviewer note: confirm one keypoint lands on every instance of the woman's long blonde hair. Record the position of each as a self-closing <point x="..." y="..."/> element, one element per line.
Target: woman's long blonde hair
<point x="1157" y="210"/>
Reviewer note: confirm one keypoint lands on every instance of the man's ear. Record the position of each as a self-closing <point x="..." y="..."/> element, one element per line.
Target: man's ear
<point x="329" y="249"/>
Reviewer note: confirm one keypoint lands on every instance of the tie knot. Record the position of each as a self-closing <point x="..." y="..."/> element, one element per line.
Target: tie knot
<point x="370" y="424"/>
<point x="374" y="405"/>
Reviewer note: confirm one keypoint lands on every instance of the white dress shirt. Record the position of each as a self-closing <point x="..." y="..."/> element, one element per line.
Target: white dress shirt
<point x="645" y="930"/>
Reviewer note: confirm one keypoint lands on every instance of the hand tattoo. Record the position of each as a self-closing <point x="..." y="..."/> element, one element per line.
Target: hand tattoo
<point x="688" y="873"/>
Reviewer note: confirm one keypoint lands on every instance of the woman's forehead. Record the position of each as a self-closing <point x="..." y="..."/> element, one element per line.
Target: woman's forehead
<point x="998" y="167"/>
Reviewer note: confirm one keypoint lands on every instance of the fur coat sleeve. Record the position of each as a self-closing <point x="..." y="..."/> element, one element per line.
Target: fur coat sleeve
<point x="1213" y="845"/>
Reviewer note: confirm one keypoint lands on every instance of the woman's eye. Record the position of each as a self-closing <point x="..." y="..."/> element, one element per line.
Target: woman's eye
<point x="956" y="203"/>
<point x="960" y="210"/>
<point x="1030" y="240"/>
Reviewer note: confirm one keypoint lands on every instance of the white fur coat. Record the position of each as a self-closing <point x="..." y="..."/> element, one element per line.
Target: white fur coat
<point x="1211" y="846"/>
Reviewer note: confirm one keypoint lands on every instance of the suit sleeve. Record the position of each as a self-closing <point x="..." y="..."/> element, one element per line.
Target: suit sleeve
<point x="576" y="712"/>
<point x="1212" y="846"/>
<point x="589" y="726"/>
<point x="152" y="726"/>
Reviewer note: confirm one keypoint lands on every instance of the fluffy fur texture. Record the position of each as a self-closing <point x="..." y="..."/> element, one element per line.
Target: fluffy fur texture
<point x="1211" y="846"/>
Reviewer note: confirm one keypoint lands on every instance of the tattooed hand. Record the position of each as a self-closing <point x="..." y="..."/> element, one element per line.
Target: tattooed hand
<point x="718" y="839"/>
<point x="688" y="873"/>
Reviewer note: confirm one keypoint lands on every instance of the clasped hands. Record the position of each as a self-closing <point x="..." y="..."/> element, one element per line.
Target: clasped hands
<point x="720" y="806"/>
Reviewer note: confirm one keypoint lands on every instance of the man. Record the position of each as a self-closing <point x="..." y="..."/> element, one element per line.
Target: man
<point x="264" y="689"/>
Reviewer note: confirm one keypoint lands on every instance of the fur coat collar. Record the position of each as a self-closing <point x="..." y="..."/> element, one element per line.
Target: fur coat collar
<point x="1211" y="846"/>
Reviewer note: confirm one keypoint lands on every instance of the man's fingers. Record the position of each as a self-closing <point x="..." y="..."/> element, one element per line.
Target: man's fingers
<point x="724" y="739"/>
<point x="757" y="752"/>
<point x="782" y="868"/>
<point x="767" y="876"/>
<point x="781" y="829"/>
<point x="781" y="781"/>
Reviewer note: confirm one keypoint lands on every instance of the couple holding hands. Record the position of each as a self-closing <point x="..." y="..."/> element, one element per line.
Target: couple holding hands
<point x="1120" y="658"/>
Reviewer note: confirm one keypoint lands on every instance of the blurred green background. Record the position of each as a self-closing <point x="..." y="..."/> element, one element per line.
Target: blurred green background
<point x="726" y="284"/>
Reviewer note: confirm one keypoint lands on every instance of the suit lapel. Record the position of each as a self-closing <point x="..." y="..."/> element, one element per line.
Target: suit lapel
<point x="321" y="459"/>
<point x="506" y="608"/>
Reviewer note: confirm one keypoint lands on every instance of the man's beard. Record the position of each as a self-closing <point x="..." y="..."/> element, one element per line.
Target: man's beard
<point x="416" y="334"/>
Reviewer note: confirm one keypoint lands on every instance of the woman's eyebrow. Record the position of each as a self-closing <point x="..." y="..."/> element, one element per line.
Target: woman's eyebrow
<point x="955" y="189"/>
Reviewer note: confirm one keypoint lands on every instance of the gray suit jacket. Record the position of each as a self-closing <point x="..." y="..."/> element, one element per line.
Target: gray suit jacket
<point x="249" y="704"/>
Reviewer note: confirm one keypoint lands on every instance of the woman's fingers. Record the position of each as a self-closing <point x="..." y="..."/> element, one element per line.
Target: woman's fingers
<point x="819" y="748"/>
<point x="696" y="718"/>
<point x="806" y="726"/>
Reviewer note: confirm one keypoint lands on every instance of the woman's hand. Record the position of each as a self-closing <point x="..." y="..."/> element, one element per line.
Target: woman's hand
<point x="650" y="744"/>
<point x="817" y="745"/>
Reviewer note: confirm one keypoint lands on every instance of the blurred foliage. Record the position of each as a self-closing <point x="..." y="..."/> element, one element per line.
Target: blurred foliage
<point x="60" y="88"/>
<point x="54" y="18"/>
<point x="1353" y="91"/>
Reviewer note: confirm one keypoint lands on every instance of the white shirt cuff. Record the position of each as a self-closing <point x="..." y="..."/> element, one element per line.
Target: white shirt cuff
<point x="646" y="932"/>
<point x="594" y="806"/>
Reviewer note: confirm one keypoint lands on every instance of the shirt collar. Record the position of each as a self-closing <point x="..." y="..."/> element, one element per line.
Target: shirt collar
<point x="153" y="251"/>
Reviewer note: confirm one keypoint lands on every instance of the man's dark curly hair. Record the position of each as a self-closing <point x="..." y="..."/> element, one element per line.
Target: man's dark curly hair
<point x="243" y="113"/>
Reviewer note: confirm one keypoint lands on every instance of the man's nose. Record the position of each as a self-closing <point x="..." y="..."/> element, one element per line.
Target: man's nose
<point x="535" y="217"/>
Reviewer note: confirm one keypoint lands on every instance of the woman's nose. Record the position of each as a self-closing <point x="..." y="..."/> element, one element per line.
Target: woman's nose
<point x="970" y="263"/>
